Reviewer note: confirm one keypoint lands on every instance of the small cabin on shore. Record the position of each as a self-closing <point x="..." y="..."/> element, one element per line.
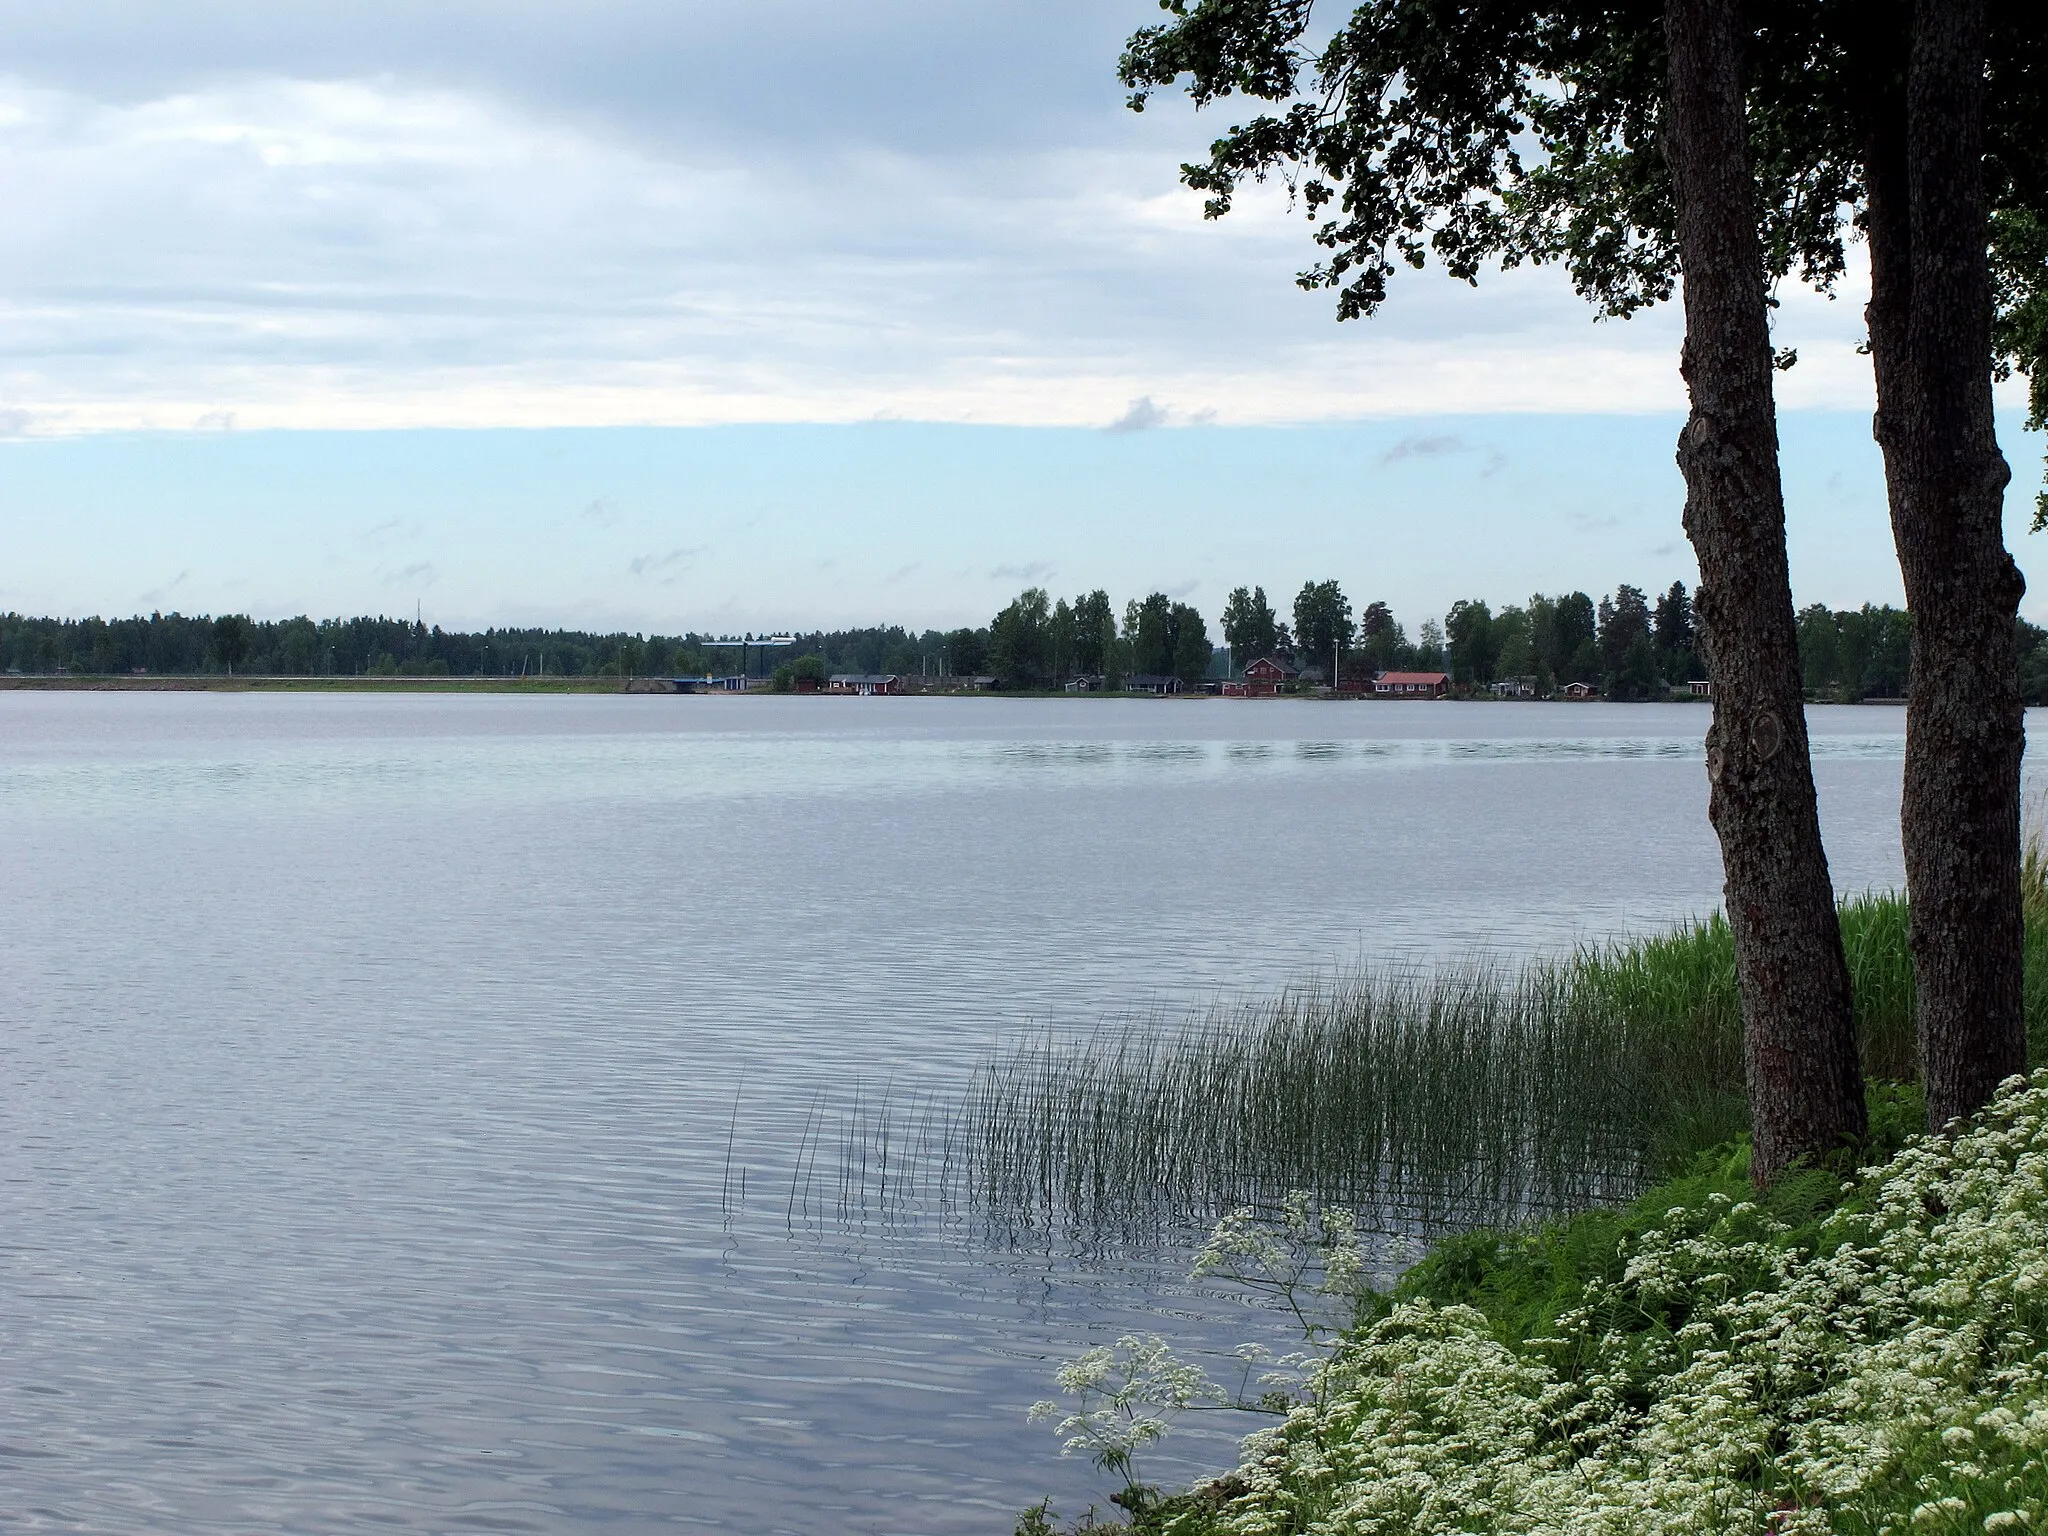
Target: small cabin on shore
<point x="1579" y="691"/>
<point x="866" y="684"/>
<point x="1411" y="685"/>
<point x="1151" y="682"/>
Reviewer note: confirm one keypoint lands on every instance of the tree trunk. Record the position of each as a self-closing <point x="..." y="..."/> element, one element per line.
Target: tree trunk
<point x="1930" y="335"/>
<point x="1805" y="1083"/>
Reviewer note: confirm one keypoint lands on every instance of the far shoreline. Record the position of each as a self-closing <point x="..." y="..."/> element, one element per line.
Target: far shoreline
<point x="654" y="687"/>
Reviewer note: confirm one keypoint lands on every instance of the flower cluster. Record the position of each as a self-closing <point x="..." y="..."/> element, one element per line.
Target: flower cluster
<point x="1123" y="1389"/>
<point x="1891" y="1378"/>
<point x="1127" y="1392"/>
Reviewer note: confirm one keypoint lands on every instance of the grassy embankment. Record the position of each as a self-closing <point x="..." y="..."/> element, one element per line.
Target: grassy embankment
<point x="1611" y="1332"/>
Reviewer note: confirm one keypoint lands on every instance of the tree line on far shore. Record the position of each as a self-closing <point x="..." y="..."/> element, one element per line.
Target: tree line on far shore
<point x="1627" y="644"/>
<point x="173" y="644"/>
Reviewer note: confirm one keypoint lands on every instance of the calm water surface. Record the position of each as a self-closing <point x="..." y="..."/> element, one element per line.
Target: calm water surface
<point x="401" y="1098"/>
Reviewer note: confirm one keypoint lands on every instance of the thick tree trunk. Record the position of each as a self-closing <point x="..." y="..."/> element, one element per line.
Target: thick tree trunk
<point x="1930" y="334"/>
<point x="1805" y="1083"/>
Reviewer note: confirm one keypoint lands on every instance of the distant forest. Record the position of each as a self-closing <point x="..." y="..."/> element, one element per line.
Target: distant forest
<point x="1627" y="644"/>
<point x="175" y="644"/>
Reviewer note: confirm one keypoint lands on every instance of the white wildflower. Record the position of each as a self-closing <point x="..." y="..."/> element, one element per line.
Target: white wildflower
<point x="1895" y="1379"/>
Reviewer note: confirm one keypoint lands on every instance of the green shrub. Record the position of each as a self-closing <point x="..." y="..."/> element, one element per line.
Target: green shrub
<point x="1613" y="1331"/>
<point x="1864" y="1356"/>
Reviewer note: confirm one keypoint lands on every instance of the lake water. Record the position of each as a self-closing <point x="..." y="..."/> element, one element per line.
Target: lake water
<point x="402" y="1098"/>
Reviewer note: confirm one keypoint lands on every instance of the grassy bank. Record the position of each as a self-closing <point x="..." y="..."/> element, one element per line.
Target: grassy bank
<point x="1866" y="1356"/>
<point x="1611" y="1331"/>
<point x="1429" y="1101"/>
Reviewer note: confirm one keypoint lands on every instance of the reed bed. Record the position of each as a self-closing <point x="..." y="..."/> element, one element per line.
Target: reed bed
<point x="1429" y="1098"/>
<point x="1425" y="1100"/>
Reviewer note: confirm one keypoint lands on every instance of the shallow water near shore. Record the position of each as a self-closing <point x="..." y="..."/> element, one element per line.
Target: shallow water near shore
<point x="404" y="1101"/>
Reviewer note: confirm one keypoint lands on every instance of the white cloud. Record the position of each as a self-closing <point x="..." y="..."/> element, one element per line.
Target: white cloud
<point x="467" y="229"/>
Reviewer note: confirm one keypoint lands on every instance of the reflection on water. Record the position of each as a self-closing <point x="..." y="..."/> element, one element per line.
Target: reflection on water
<point x="416" y="1109"/>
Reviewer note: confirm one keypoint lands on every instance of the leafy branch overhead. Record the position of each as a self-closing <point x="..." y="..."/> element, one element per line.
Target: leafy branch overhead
<point x="1483" y="133"/>
<point x="1514" y="133"/>
<point x="2019" y="277"/>
<point x="1746" y="142"/>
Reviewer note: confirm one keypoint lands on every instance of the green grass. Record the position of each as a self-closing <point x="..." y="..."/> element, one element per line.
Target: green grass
<point x="1431" y="1101"/>
<point x="1868" y="1380"/>
<point x="1524" y="1278"/>
<point x="1606" y="1090"/>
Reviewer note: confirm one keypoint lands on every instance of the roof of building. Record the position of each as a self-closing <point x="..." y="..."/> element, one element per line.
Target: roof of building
<point x="1398" y="679"/>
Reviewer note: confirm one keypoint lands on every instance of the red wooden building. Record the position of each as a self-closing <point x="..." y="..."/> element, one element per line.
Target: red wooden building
<point x="1264" y="677"/>
<point x="865" y="683"/>
<point x="1411" y="685"/>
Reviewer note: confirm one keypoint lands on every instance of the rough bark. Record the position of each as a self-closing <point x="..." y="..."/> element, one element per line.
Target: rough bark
<point x="1930" y="334"/>
<point x="1805" y="1083"/>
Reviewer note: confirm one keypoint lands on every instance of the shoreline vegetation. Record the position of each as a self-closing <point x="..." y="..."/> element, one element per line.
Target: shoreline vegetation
<point x="1629" y="646"/>
<point x="222" y="683"/>
<point x="1609" y="1329"/>
<point x="80" y="682"/>
<point x="760" y="688"/>
<point x="1425" y="1099"/>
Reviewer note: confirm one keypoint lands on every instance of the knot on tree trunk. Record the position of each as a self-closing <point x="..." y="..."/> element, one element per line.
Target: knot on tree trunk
<point x="1766" y="735"/>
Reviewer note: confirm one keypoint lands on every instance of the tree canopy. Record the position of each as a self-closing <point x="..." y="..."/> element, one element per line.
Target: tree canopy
<point x="1481" y="133"/>
<point x="1322" y="621"/>
<point x="1249" y="628"/>
<point x="1496" y="133"/>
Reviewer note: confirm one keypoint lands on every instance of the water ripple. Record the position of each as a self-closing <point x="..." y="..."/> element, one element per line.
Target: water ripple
<point x="401" y="1103"/>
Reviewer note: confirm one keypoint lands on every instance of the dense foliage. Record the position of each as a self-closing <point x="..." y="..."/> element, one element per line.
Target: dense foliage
<point x="2019" y="277"/>
<point x="1412" y="132"/>
<point x="1866" y="1357"/>
<point x="177" y="644"/>
<point x="1701" y="1358"/>
<point x="1833" y="1356"/>
<point x="1628" y="645"/>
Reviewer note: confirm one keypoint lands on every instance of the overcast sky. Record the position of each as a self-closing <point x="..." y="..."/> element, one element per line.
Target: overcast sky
<point x="233" y="231"/>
